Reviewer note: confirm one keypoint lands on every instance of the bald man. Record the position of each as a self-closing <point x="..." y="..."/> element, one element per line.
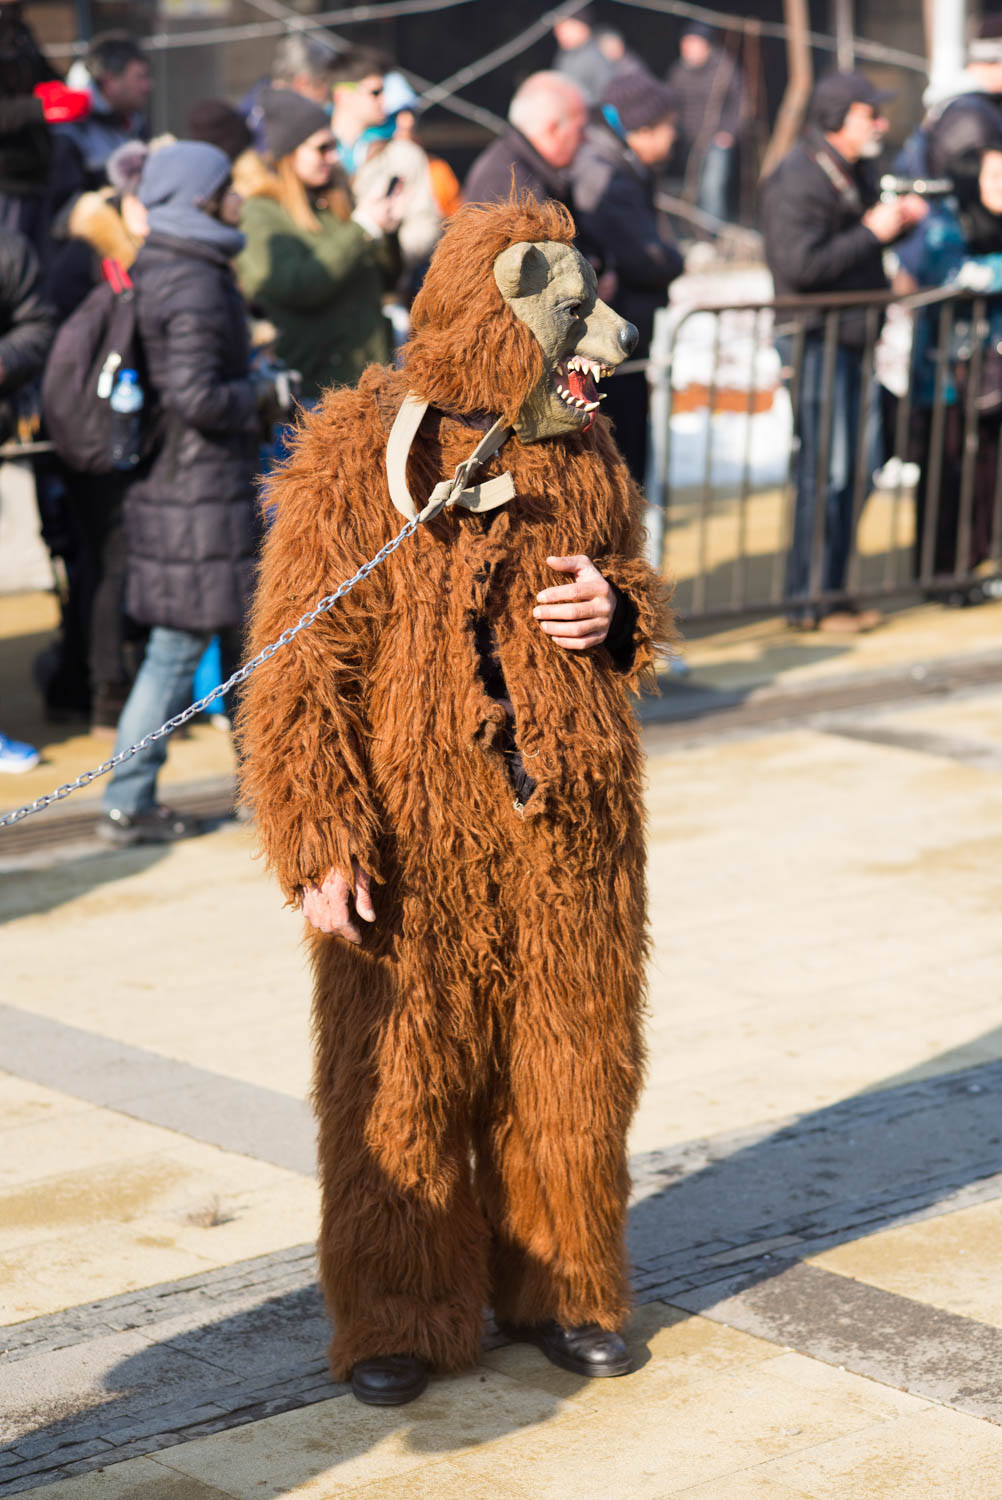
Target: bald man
<point x="546" y="123"/>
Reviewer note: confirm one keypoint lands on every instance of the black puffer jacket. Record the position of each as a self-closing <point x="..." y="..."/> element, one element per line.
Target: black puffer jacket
<point x="27" y="321"/>
<point x="191" y="522"/>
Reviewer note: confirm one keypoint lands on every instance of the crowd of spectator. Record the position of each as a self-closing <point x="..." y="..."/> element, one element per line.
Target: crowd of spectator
<point x="272" y="248"/>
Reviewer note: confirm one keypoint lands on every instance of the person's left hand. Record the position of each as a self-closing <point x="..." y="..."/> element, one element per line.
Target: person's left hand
<point x="576" y="615"/>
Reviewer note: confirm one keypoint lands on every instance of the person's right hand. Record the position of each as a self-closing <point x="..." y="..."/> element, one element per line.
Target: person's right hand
<point x="383" y="212"/>
<point x="326" y="906"/>
<point x="914" y="209"/>
<point x="888" y="220"/>
<point x="62" y="105"/>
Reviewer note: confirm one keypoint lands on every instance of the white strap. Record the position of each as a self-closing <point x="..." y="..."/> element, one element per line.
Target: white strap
<point x="476" y="497"/>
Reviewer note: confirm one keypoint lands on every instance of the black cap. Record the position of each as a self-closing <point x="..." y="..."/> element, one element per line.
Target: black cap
<point x="289" y="119"/>
<point x="834" y="94"/>
<point x="698" y="28"/>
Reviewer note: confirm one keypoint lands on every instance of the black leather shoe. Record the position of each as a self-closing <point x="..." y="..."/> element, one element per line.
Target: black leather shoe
<point x="587" y="1350"/>
<point x="389" y="1380"/>
<point x="159" y="825"/>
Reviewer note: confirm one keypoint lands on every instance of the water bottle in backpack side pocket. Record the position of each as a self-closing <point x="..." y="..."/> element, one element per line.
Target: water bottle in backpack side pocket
<point x="126" y="402"/>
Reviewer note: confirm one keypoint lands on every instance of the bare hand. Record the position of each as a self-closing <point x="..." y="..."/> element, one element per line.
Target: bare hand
<point x="384" y="211"/>
<point x="576" y="615"/>
<point x="914" y="208"/>
<point x="326" y="906"/>
<point x="887" y="220"/>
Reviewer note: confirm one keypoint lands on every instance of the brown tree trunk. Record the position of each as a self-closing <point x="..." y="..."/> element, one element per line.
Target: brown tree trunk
<point x="791" y="111"/>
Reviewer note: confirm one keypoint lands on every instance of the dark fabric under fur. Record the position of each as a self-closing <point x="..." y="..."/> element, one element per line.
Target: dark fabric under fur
<point x="493" y="1012"/>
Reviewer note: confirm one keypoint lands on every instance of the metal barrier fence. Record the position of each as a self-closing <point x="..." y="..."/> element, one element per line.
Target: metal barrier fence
<point x="806" y="451"/>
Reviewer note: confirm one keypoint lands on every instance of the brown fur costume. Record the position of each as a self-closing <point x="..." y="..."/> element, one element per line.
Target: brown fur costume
<point x="479" y="1055"/>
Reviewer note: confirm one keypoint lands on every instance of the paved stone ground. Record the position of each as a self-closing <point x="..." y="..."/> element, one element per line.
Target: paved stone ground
<point x="817" y="1159"/>
<point x="718" y="1227"/>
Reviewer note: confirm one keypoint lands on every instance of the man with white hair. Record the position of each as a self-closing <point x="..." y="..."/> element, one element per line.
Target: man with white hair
<point x="547" y="118"/>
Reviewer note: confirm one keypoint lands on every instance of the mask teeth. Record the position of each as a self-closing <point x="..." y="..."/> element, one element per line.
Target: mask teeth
<point x="586" y="366"/>
<point x="575" y="403"/>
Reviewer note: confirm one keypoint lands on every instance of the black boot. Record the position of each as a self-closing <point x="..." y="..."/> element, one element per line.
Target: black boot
<point x="389" y="1379"/>
<point x="587" y="1349"/>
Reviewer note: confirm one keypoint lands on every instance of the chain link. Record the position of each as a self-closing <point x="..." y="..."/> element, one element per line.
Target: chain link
<point x="324" y="605"/>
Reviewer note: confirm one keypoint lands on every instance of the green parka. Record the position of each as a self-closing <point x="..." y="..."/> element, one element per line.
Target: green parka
<point x="322" y="290"/>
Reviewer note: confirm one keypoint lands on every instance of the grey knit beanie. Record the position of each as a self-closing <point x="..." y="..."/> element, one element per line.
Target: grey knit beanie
<point x="289" y="119"/>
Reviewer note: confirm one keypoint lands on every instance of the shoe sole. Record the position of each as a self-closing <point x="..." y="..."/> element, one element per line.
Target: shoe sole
<point x="566" y="1361"/>
<point x="389" y="1398"/>
<point x="119" y="838"/>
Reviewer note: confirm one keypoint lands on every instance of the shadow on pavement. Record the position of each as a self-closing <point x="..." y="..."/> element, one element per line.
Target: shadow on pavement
<point x="705" y="1211"/>
<point x="27" y="893"/>
<point x="826" y="1178"/>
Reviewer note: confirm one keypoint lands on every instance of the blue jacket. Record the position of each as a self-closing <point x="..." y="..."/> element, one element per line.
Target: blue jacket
<point x="937" y="255"/>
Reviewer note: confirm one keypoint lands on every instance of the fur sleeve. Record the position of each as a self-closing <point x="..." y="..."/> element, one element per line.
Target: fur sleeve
<point x="654" y="630"/>
<point x="625" y="565"/>
<point x="303" y="728"/>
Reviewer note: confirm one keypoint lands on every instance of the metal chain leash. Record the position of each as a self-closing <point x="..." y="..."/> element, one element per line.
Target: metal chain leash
<point x="240" y="675"/>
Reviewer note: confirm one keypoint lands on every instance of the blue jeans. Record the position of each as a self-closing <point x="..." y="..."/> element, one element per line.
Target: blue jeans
<point x="844" y="401"/>
<point x="163" y="688"/>
<point x="715" y="180"/>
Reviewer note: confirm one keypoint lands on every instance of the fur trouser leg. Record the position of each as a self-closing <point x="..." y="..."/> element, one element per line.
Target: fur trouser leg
<point x="403" y="1245"/>
<point x="552" y="1173"/>
<point x="494" y="1017"/>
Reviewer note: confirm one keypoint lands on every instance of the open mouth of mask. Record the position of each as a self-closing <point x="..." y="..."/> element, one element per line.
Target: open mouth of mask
<point x="576" y="382"/>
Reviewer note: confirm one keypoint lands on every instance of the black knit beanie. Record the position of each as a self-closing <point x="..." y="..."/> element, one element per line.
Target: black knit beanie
<point x="217" y="122"/>
<point x="289" y="120"/>
<point x="639" y="98"/>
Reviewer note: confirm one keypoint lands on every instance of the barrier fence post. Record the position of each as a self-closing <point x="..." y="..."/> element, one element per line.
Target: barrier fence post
<point x="963" y="553"/>
<point x="866" y="430"/>
<point x="659" y="438"/>
<point x="834" y="390"/>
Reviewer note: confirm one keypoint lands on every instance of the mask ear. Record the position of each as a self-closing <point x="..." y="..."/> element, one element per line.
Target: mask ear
<point x="521" y="271"/>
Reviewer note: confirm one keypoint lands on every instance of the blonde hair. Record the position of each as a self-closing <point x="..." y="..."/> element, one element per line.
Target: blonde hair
<point x="292" y="194"/>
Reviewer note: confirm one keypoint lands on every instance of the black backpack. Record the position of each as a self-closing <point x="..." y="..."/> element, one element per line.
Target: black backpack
<point x="96" y="341"/>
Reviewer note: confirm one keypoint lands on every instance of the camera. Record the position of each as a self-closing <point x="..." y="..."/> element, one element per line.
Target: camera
<point x="892" y="186"/>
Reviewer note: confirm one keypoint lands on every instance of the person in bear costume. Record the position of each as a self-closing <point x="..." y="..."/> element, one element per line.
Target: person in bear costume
<point x="446" y="775"/>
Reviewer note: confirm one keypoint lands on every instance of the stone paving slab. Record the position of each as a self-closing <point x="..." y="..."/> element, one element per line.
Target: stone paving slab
<point x="717" y="1226"/>
<point x="709" y="1411"/>
<point x="903" y="1343"/>
<point x="208" y="1106"/>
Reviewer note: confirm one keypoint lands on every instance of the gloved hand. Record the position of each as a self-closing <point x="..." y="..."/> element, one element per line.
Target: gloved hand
<point x="974" y="276"/>
<point x="62" y="105"/>
<point x="276" y="390"/>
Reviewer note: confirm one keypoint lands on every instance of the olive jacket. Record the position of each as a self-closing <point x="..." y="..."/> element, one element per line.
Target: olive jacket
<point x="322" y="291"/>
